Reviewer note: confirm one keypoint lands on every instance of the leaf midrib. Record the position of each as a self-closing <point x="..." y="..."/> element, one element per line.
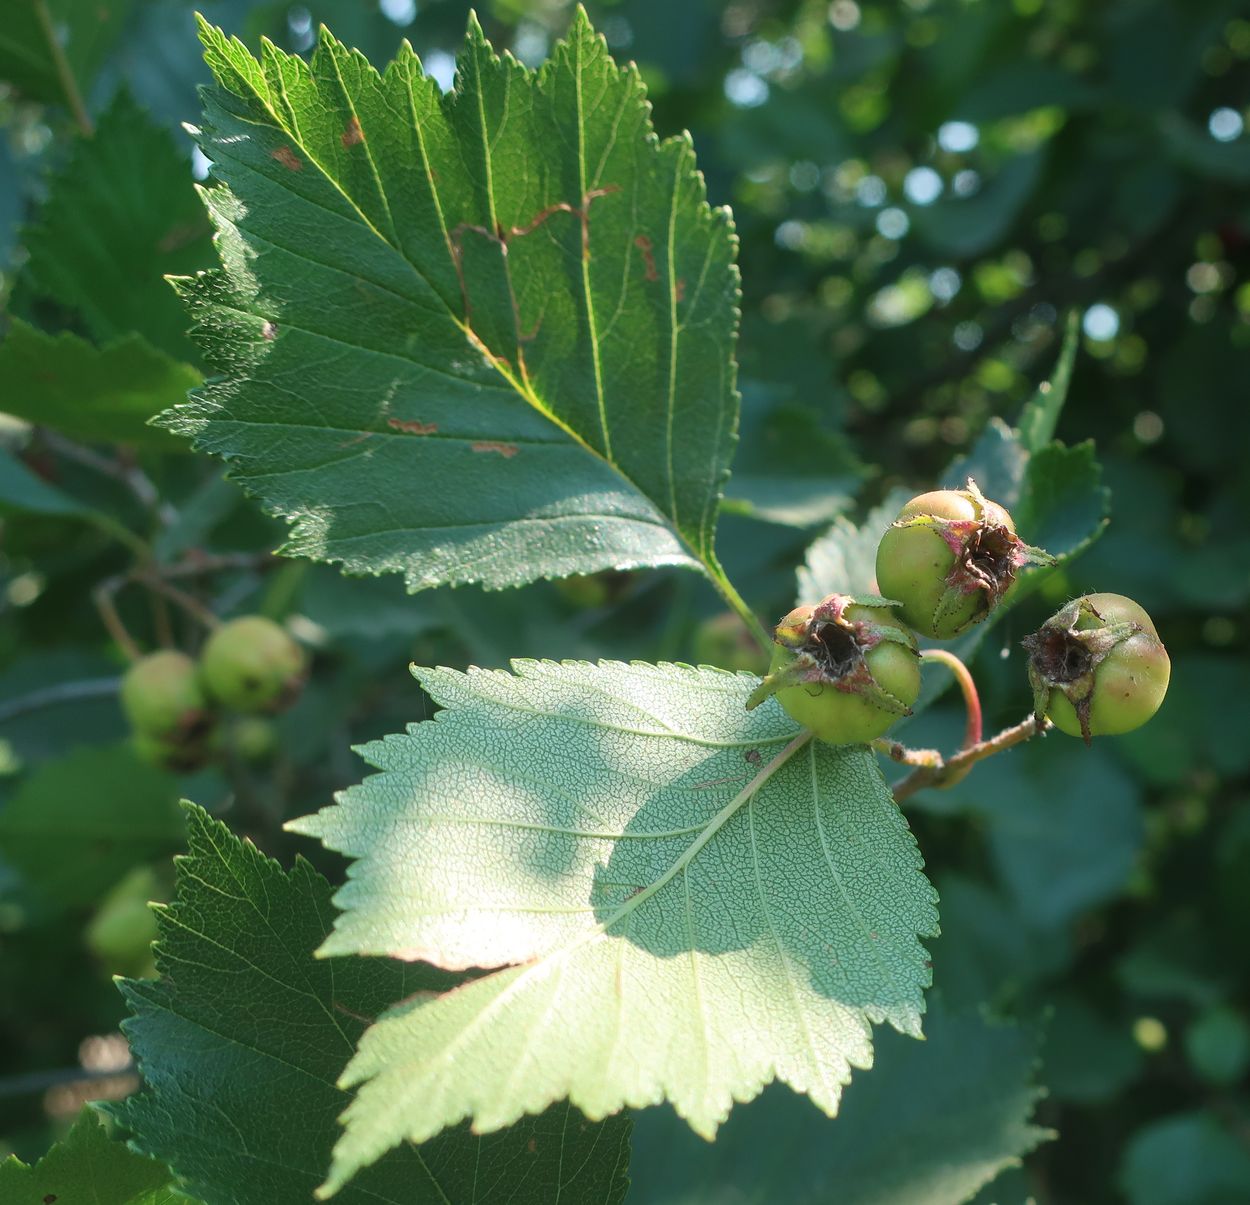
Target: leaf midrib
<point x="521" y="388"/>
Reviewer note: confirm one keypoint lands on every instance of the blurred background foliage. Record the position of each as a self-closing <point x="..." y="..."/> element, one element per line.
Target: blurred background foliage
<point x="923" y="189"/>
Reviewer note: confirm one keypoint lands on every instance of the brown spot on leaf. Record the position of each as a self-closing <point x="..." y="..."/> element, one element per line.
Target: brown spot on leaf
<point x="48" y="1198"/>
<point x="412" y="426"/>
<point x="648" y="258"/>
<point x="353" y="134"/>
<point x="753" y="756"/>
<point x="288" y="158"/>
<point x="680" y="291"/>
<point x="269" y="330"/>
<point x="507" y="451"/>
<point x="531" y="1146"/>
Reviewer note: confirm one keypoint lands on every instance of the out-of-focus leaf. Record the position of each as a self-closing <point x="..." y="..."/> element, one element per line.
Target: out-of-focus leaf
<point x="967" y="226"/>
<point x="1186" y="1159"/>
<point x="368" y="607"/>
<point x="32" y="31"/>
<point x="790" y="468"/>
<point x="844" y="559"/>
<point x="1087" y="1059"/>
<point x="1055" y="851"/>
<point x="104" y="394"/>
<point x="264" y="1028"/>
<point x="480" y="372"/>
<point x="88" y="1167"/>
<point x="121" y="214"/>
<point x="929" y="1124"/>
<point x="76" y="825"/>
<point x="672" y="876"/>
<point x="23" y="490"/>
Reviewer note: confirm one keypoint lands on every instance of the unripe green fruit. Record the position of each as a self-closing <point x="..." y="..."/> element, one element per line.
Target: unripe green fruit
<point x="163" y="700"/>
<point x="179" y="756"/>
<point x="252" y="664"/>
<point x="252" y="737"/>
<point x="725" y="641"/>
<point x="1098" y="667"/>
<point x="949" y="558"/>
<point x="121" y="932"/>
<point x="843" y="668"/>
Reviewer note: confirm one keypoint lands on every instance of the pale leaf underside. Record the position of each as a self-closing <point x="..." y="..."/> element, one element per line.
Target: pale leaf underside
<point x="679" y="933"/>
<point x="485" y="336"/>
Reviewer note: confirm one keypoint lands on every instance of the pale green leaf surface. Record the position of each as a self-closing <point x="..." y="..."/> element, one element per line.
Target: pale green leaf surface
<point x="104" y="394"/>
<point x="481" y="337"/>
<point x="87" y="1167"/>
<point x="932" y="1123"/>
<point x="120" y="215"/>
<point x="241" y="1039"/>
<point x="695" y="915"/>
<point x="77" y="824"/>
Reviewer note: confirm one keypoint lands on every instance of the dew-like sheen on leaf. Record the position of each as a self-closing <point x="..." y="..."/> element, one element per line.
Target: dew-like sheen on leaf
<point x="694" y="914"/>
<point x="481" y="337"/>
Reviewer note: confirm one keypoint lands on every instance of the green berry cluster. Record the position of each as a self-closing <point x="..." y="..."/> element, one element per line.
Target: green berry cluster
<point x="848" y="666"/>
<point x="248" y="668"/>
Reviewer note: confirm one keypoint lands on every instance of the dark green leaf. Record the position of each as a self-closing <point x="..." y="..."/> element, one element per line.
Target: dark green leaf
<point x="76" y="825"/>
<point x="39" y="37"/>
<point x="102" y="394"/>
<point x="440" y="359"/>
<point x="120" y="215"/>
<point x="241" y="1039"/>
<point x="930" y="1124"/>
<point x="87" y="1168"/>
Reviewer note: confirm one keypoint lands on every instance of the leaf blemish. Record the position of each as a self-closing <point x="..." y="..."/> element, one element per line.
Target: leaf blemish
<point x="531" y="1146"/>
<point x="353" y="134"/>
<point x="269" y="330"/>
<point x="507" y="451"/>
<point x="288" y="158"/>
<point x="680" y="291"/>
<point x="648" y="257"/>
<point x="412" y="426"/>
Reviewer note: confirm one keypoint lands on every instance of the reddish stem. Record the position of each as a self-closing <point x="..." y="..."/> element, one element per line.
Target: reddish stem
<point x="972" y="700"/>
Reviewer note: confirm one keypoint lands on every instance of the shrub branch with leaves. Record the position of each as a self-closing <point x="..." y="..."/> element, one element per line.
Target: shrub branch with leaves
<point x="488" y="337"/>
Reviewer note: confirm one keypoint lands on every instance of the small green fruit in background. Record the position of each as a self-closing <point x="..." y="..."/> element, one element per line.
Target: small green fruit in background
<point x="949" y="558"/>
<point x="1098" y="667"/>
<point x="252" y="664"/>
<point x="725" y="641"/>
<point x="252" y="737"/>
<point x="845" y="668"/>
<point x="122" y="931"/>
<point x="179" y="756"/>
<point x="163" y="699"/>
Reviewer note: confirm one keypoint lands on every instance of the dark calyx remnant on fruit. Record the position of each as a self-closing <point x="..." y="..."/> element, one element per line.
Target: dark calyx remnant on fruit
<point x="828" y="645"/>
<point x="1067" y="653"/>
<point x="950" y="556"/>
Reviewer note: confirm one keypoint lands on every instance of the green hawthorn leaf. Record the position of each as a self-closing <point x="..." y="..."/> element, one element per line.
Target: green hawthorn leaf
<point x="699" y="902"/>
<point x="482" y="337"/>
<point x="34" y="33"/>
<point x="121" y="214"/>
<point x="77" y="824"/>
<point x="1064" y="505"/>
<point x="87" y="1166"/>
<point x="240" y="1041"/>
<point x="97" y="394"/>
<point x="933" y="1122"/>
<point x="1041" y="412"/>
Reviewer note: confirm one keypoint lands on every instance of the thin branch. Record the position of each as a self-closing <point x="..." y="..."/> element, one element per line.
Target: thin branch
<point x="103" y="596"/>
<point x="951" y="770"/>
<point x="63" y="692"/>
<point x="128" y="473"/>
<point x="63" y="70"/>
